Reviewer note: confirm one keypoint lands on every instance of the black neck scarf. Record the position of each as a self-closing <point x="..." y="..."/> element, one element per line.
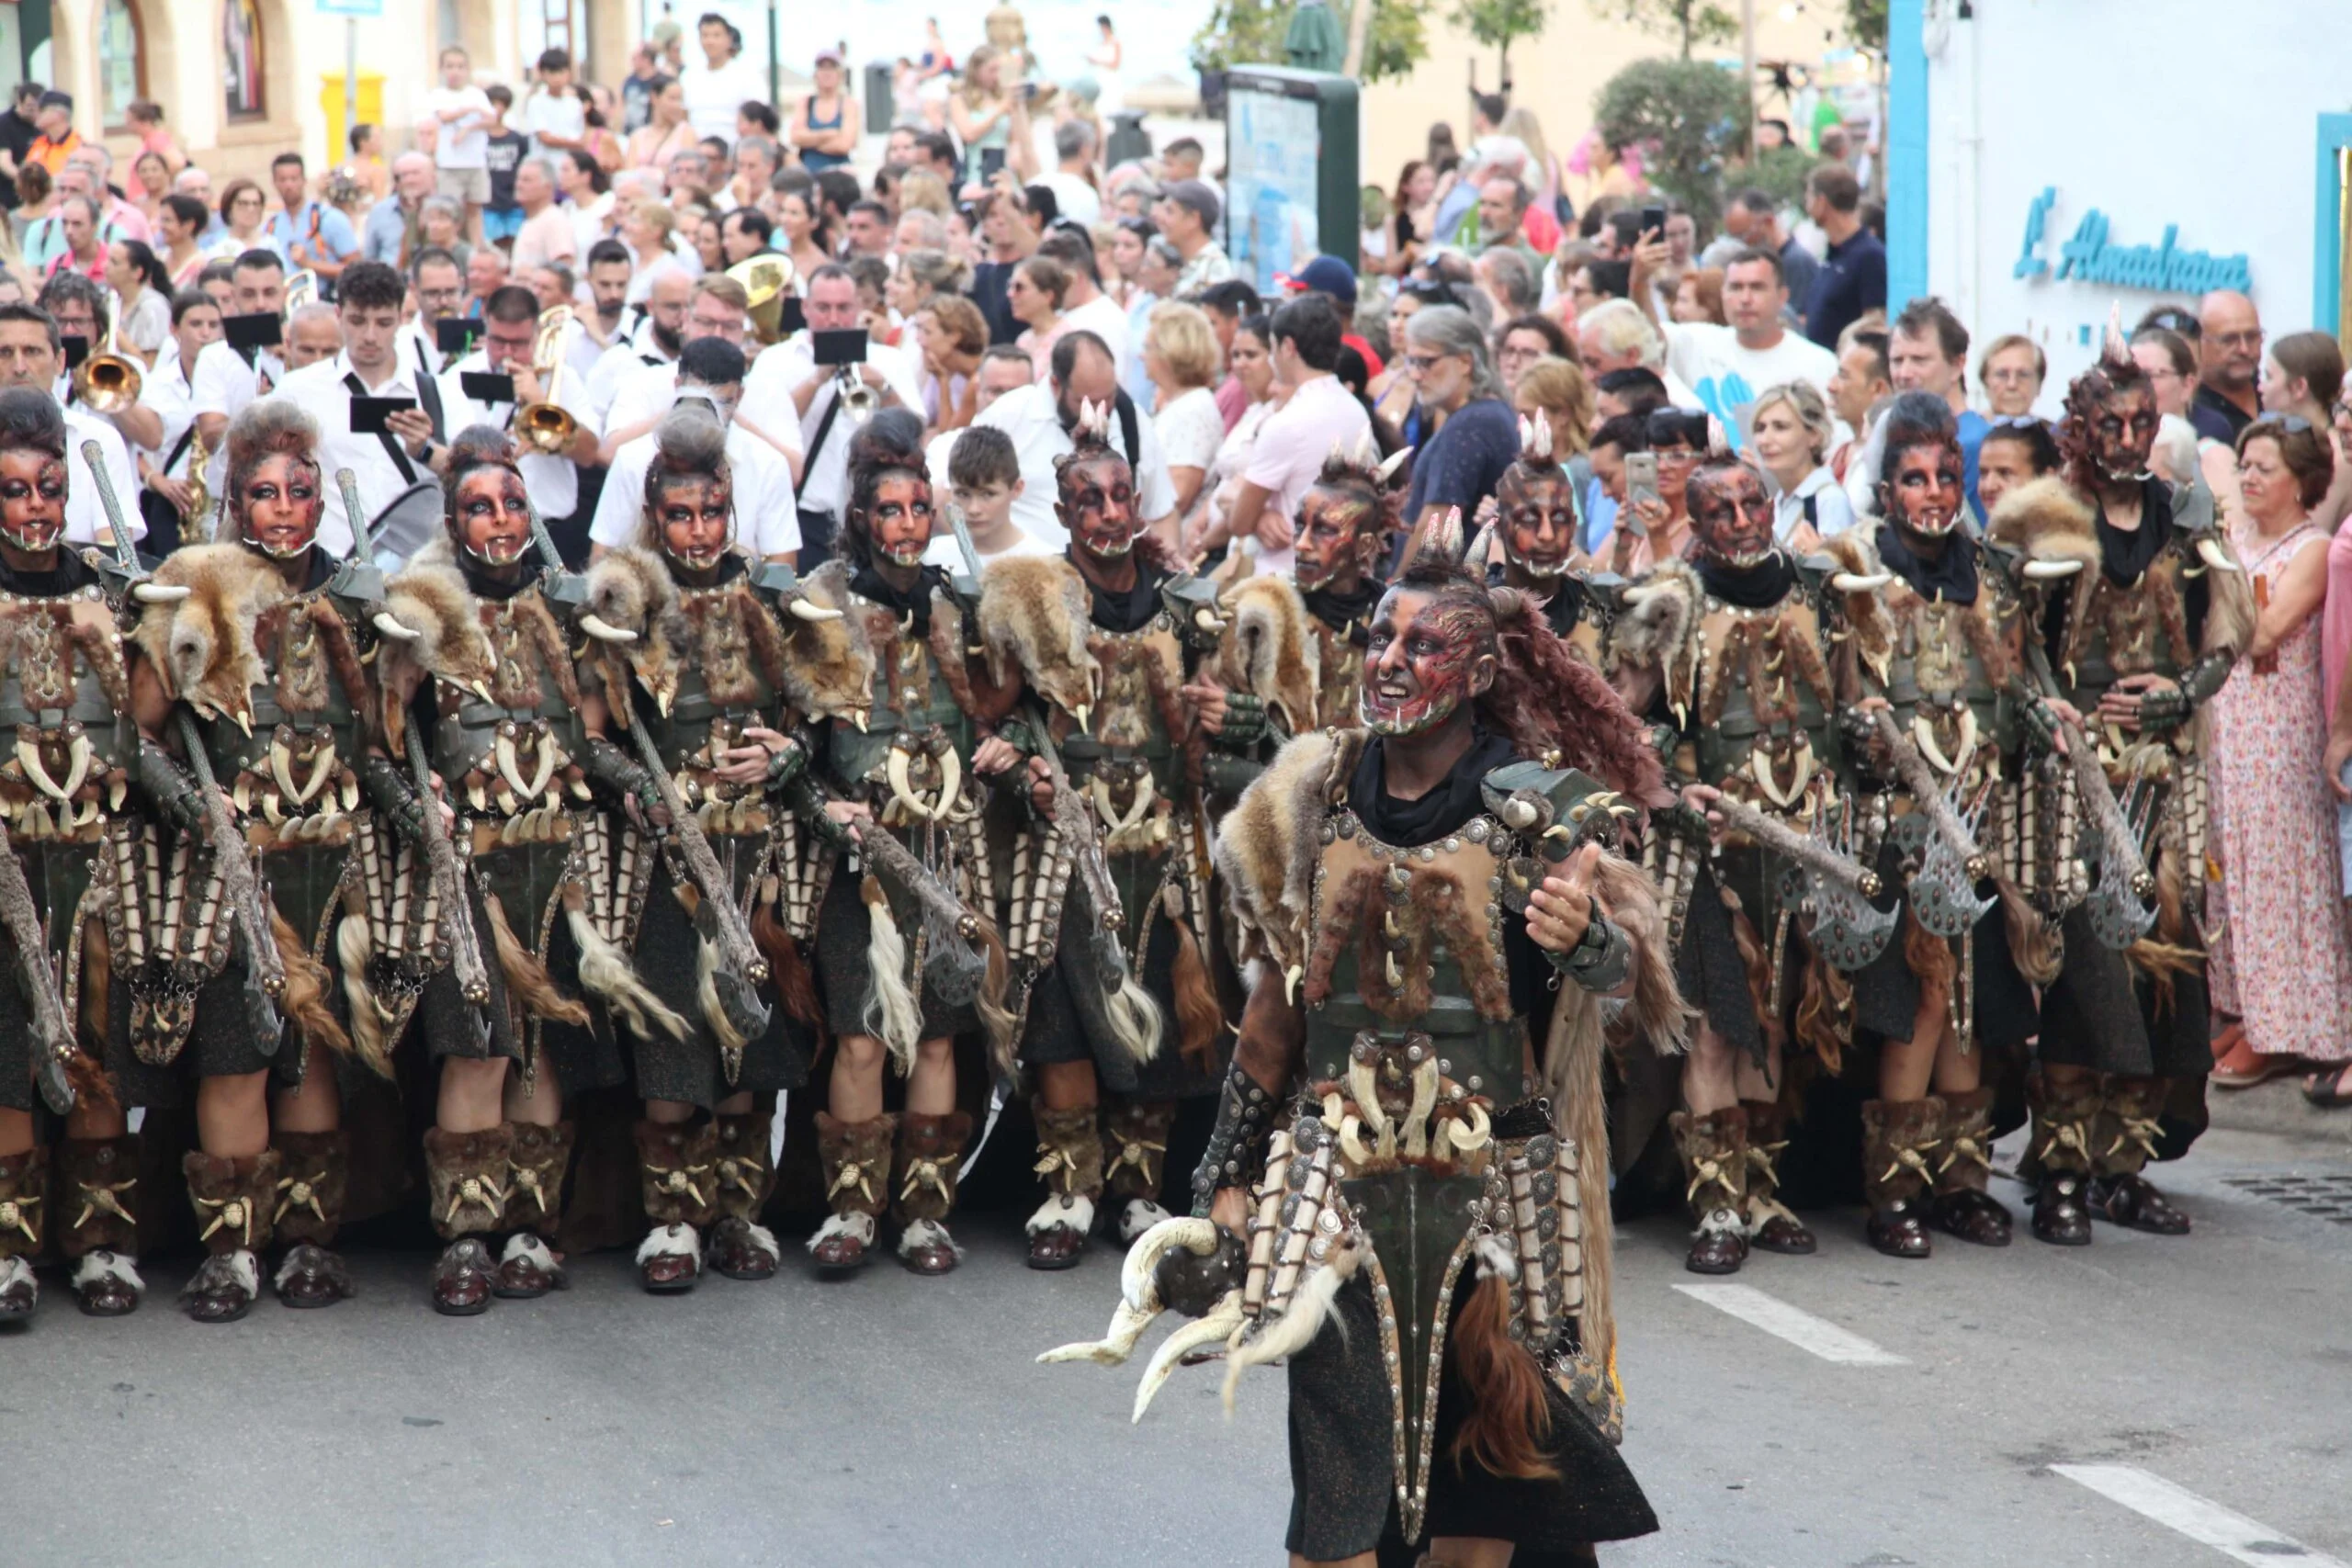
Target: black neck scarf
<point x="1950" y="576"/>
<point x="914" y="606"/>
<point x="1133" y="610"/>
<point x="71" y="574"/>
<point x="2126" y="554"/>
<point x="1758" y="587"/>
<point x="1344" y="612"/>
<point x="1441" y="810"/>
<point x="485" y="586"/>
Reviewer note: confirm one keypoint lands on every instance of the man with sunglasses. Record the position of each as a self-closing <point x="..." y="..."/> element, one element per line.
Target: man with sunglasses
<point x="1446" y="357"/>
<point x="2229" y="341"/>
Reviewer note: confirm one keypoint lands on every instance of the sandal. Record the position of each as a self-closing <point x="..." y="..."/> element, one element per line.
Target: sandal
<point x="2330" y="1088"/>
<point x="2244" y="1066"/>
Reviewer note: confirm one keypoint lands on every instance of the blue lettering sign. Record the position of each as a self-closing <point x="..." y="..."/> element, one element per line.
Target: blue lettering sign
<point x="2088" y="255"/>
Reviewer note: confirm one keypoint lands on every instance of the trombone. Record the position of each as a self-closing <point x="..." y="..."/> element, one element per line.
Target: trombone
<point x="544" y="426"/>
<point x="107" y="382"/>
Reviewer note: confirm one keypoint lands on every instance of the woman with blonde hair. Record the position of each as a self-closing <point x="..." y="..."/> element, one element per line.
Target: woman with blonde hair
<point x="1542" y="175"/>
<point x="919" y="190"/>
<point x="1555" y="389"/>
<point x="1791" y="428"/>
<point x="921" y="276"/>
<point x="1180" y="355"/>
<point x="980" y="111"/>
<point x="952" y="334"/>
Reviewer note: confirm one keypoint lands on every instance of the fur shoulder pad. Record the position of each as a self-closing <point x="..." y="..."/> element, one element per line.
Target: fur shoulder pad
<point x="2047" y="521"/>
<point x="1657" y="628"/>
<point x="430" y="597"/>
<point x="829" y="664"/>
<point x="1267" y="844"/>
<point x="1267" y="651"/>
<point x="202" y="644"/>
<point x="1033" y="619"/>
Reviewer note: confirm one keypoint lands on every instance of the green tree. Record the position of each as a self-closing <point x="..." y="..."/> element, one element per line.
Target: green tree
<point x="1689" y="118"/>
<point x="1250" y="32"/>
<point x="1866" y="24"/>
<point x="1780" y="173"/>
<point x="1693" y="22"/>
<point x="1498" y="24"/>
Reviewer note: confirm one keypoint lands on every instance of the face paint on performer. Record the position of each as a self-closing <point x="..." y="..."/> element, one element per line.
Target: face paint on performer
<point x="697" y="520"/>
<point x="493" y="517"/>
<point x="281" y="505"/>
<point x="899" y="525"/>
<point x="1424" y="656"/>
<point x="1924" y="497"/>
<point x="1098" y="506"/>
<point x="1731" y="517"/>
<point x="2123" y="433"/>
<point x="1337" y="540"/>
<point x="32" y="500"/>
<point x="1538" y="516"/>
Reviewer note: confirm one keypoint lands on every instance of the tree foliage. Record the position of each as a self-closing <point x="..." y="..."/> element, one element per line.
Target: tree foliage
<point x="1250" y="32"/>
<point x="1498" y="24"/>
<point x="1691" y="22"/>
<point x="1866" y="24"/>
<point x="1689" y="118"/>
<point x="1779" y="172"/>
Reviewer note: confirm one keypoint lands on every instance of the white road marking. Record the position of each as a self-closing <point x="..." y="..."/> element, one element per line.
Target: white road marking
<point x="2201" y="1520"/>
<point x="1799" y="1327"/>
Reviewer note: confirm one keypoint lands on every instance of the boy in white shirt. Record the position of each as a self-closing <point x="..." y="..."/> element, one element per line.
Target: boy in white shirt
<point x="461" y="117"/>
<point x="983" y="480"/>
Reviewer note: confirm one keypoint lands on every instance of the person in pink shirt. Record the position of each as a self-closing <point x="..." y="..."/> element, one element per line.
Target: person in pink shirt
<point x="1318" y="414"/>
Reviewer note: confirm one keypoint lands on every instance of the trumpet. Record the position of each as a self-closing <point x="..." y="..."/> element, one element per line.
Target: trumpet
<point x="858" y="401"/>
<point x="108" y="382"/>
<point x="544" y="426"/>
<point x="768" y="279"/>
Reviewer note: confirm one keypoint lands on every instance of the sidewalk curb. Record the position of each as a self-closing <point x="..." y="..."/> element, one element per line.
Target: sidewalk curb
<point x="2279" y="1108"/>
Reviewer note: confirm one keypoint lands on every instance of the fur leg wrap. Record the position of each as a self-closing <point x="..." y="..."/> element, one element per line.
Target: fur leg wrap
<point x="234" y="1199"/>
<point x="740" y="1165"/>
<point x="675" y="1164"/>
<point x="1899" y="1144"/>
<point x="2063" y="1114"/>
<point x="466" y="1175"/>
<point x="1070" y="1151"/>
<point x="2124" y="1132"/>
<point x="931" y="1149"/>
<point x="855" y="1157"/>
<point x="1714" y="1160"/>
<point x="100" y="1183"/>
<point x="1134" y="1147"/>
<point x="314" y="1175"/>
<point x="537" y="1159"/>
<point x="606" y="973"/>
<point x="1767" y="1136"/>
<point x="1964" y="1162"/>
<point x="24" y="1202"/>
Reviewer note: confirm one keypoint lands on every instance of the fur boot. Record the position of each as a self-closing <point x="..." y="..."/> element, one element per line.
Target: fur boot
<point x="923" y="1188"/>
<point x="2063" y="1102"/>
<point x="741" y="1247"/>
<point x="674" y="1163"/>
<point x="1771" y="1223"/>
<point x="99" y="1177"/>
<point x="1070" y="1151"/>
<point x="2123" y="1138"/>
<point x="1135" y="1155"/>
<point x="1898" y="1146"/>
<point x="1964" y="1163"/>
<point x="856" y="1161"/>
<point x="1714" y="1157"/>
<point x="234" y="1199"/>
<point x="538" y="1157"/>
<point x="24" y="1220"/>
<point x="466" y="1175"/>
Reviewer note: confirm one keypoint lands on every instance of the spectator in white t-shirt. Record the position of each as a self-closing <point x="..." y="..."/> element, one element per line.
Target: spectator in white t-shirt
<point x="721" y="82"/>
<point x="555" y="116"/>
<point x="1727" y="367"/>
<point x="1072" y="181"/>
<point x="461" y="117"/>
<point x="1179" y="355"/>
<point x="1085" y="308"/>
<point x="1040" y="419"/>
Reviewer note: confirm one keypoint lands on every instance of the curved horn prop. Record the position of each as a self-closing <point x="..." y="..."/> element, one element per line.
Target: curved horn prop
<point x="385" y="623"/>
<point x="2045" y="571"/>
<point x="1852" y="582"/>
<point x="159" y="593"/>
<point x="2216" y="556"/>
<point x="803" y="610"/>
<point x="604" y="630"/>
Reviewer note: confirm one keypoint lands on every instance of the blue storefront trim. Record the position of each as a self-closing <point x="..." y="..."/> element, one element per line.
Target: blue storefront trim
<point x="1906" y="155"/>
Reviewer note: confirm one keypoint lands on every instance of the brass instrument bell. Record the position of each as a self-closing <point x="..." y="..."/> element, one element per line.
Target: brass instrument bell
<point x="545" y="426"/>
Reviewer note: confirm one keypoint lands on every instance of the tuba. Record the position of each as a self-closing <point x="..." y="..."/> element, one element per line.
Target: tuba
<point x="768" y="279"/>
<point x="544" y="426"/>
<point x="107" y="382"/>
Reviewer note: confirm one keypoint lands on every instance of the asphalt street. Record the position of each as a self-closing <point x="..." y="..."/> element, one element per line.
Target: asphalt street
<point x="2030" y="1406"/>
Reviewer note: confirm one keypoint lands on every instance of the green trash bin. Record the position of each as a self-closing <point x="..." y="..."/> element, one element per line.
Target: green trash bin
<point x="878" y="99"/>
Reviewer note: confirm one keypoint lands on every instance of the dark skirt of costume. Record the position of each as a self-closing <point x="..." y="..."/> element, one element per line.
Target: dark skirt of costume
<point x="1059" y="1029"/>
<point x="2102" y="1014"/>
<point x="1343" y="1492"/>
<point x="845" y="965"/>
<point x="668" y="959"/>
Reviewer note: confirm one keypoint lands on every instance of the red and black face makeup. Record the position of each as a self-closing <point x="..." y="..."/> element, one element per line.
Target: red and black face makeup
<point x="1924" y="497"/>
<point x="494" y="515"/>
<point x="281" y="506"/>
<point x="1537" y="514"/>
<point x="1426" y="654"/>
<point x="697" y="521"/>
<point x="1731" y="517"/>
<point x="2123" y="433"/>
<point x="32" y="500"/>
<point x="899" y="525"/>
<point x="1339" y="535"/>
<point x="1098" y="506"/>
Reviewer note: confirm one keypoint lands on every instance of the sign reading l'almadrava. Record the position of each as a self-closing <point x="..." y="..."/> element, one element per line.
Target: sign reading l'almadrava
<point x="2088" y="256"/>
